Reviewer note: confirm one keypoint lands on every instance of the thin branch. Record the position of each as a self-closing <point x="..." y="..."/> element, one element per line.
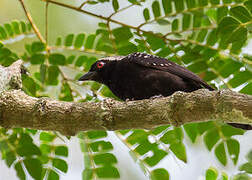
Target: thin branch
<point x="88" y="51"/>
<point x="83" y="4"/>
<point x="189" y="10"/>
<point x="34" y="27"/>
<point x="192" y="29"/>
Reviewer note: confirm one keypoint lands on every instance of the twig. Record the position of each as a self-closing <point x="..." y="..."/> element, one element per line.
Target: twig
<point x="83" y="4"/>
<point x="34" y="27"/>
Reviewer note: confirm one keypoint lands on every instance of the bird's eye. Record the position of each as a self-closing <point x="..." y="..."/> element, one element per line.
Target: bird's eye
<point x="100" y="65"/>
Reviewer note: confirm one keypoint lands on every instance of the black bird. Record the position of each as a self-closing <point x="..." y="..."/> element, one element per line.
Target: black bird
<point x="142" y="76"/>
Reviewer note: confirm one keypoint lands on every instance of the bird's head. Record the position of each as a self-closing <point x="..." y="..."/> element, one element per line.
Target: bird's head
<point x="101" y="69"/>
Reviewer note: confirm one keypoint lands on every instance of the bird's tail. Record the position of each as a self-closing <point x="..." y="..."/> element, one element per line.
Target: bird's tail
<point x="241" y="126"/>
<point x="207" y="86"/>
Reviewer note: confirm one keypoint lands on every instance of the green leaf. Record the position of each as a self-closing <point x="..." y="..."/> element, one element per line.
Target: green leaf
<point x="96" y="134"/>
<point x="227" y="25"/>
<point x="122" y="34"/>
<point x="37" y="47"/>
<point x="179" y="150"/>
<point x="191" y="130"/>
<point x="57" y="59"/>
<point x="197" y="19"/>
<point x="179" y="5"/>
<point x="144" y="147"/>
<point x="241" y="13"/>
<point x="186" y="21"/>
<point x="146" y="14"/>
<point x="10" y="158"/>
<point x="107" y="172"/>
<point x="247" y="89"/>
<point x="69" y="40"/>
<point x="240" y="78"/>
<point x="43" y="69"/>
<point x="172" y="136"/>
<point x="211" y="138"/>
<point x="137" y="136"/>
<point x="15" y="25"/>
<point x="205" y="126"/>
<point x="79" y="41"/>
<point x="61" y="151"/>
<point x="198" y="67"/>
<point x="233" y="149"/>
<point x="211" y="174"/>
<point x="158" y="174"/>
<point x="81" y="60"/>
<point x="23" y="26"/>
<point x="201" y="36"/>
<point x="247" y="167"/>
<point x="115" y="5"/>
<point x="38" y="59"/>
<point x="99" y="146"/>
<point x="203" y="2"/>
<point x="90" y="41"/>
<point x="47" y="137"/>
<point x="230" y="67"/>
<point x="53" y="73"/>
<point x="9" y="29"/>
<point x="229" y="131"/>
<point x="158" y="130"/>
<point x="52" y="175"/>
<point x="155" y="42"/>
<point x="175" y="25"/>
<point x="58" y="41"/>
<point x="28" y="149"/>
<point x="29" y="85"/>
<point x="220" y="153"/>
<point x="157" y="156"/>
<point x="4" y="146"/>
<point x="221" y="12"/>
<point x="70" y="59"/>
<point x="127" y="48"/>
<point x="60" y="164"/>
<point x="156" y="9"/>
<point x="20" y="171"/>
<point x="87" y="174"/>
<point x="167" y="5"/>
<point x="104" y="159"/>
<point x="215" y="2"/>
<point x="45" y="148"/>
<point x="3" y="33"/>
<point x="34" y="167"/>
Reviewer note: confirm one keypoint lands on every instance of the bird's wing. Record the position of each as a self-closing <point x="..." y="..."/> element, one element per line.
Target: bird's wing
<point x="162" y="64"/>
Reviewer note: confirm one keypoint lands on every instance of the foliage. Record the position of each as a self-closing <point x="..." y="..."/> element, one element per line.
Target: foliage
<point x="206" y="36"/>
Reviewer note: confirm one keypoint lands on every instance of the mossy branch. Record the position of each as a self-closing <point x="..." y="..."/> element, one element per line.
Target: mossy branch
<point x="20" y="110"/>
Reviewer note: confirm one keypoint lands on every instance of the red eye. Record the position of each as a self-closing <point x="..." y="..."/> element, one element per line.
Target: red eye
<point x="100" y="65"/>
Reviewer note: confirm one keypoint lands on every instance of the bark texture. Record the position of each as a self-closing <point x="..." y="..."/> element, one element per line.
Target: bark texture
<point x="20" y="110"/>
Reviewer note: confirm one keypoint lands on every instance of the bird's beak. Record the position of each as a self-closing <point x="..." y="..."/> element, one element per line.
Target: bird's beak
<point x="88" y="76"/>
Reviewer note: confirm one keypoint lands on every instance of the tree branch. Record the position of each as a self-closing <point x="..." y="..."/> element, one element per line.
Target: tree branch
<point x="20" y="110"/>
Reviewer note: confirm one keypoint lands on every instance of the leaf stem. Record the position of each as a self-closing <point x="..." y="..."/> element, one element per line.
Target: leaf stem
<point x="34" y="27"/>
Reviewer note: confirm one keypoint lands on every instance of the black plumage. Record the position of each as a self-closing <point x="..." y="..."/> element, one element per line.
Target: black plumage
<point x="142" y="76"/>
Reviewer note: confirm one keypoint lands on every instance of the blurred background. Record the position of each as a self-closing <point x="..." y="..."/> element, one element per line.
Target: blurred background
<point x="63" y="21"/>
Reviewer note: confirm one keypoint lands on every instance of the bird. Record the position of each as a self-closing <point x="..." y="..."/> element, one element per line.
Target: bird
<point x="140" y="76"/>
